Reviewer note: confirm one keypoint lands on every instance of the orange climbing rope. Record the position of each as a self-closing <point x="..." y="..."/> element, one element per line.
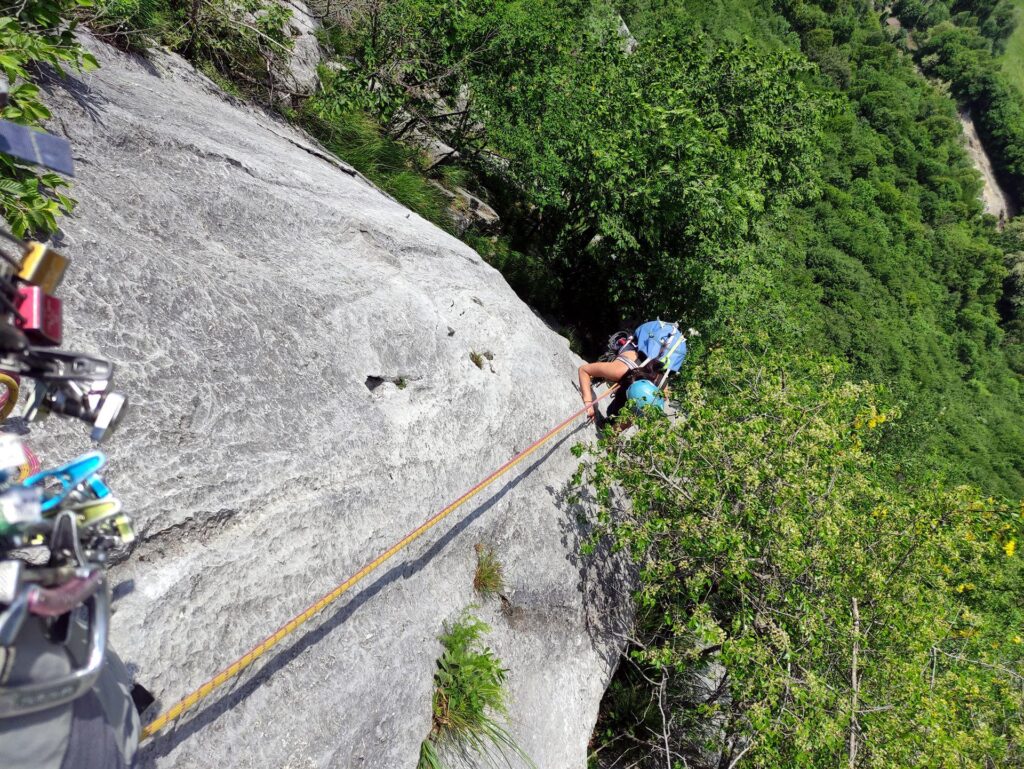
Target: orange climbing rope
<point x="236" y="667"/>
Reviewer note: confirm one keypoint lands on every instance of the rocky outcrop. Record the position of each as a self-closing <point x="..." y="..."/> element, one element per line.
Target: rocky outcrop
<point x="299" y="76"/>
<point x="629" y="43"/>
<point x="993" y="196"/>
<point x="298" y="350"/>
<point x="467" y="211"/>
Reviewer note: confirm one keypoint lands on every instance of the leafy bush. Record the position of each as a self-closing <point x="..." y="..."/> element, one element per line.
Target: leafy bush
<point x="39" y="32"/>
<point x="243" y="41"/>
<point x="489" y="577"/>
<point x="855" y="616"/>
<point x="469" y="699"/>
<point x="136" y="24"/>
<point x="621" y="169"/>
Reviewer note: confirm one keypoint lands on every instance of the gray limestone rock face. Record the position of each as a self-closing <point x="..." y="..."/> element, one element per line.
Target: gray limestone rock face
<point x="300" y="76"/>
<point x="629" y="43"/>
<point x="297" y="350"/>
<point x="467" y="211"/>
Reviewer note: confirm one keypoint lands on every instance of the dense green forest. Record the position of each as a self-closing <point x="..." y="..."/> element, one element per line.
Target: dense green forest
<point x="1012" y="56"/>
<point x="962" y="42"/>
<point x="826" y="544"/>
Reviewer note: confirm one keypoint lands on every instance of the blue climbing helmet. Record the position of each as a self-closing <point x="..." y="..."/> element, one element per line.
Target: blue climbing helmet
<point x="644" y="393"/>
<point x="661" y="341"/>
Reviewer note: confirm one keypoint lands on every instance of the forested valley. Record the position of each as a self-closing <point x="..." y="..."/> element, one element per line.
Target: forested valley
<point x="826" y="543"/>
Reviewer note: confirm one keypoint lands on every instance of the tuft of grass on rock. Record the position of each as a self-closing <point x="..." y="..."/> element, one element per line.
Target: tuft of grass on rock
<point x="470" y="700"/>
<point x="356" y="138"/>
<point x="489" y="578"/>
<point x="452" y="176"/>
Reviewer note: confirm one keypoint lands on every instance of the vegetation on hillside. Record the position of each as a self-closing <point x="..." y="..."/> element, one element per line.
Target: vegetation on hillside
<point x="905" y="272"/>
<point x="800" y="603"/>
<point x="240" y="45"/>
<point x="1012" y="57"/>
<point x="809" y="180"/>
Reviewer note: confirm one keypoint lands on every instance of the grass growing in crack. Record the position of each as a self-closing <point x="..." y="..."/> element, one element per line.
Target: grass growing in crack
<point x="489" y="578"/>
<point x="357" y="139"/>
<point x="470" y="699"/>
<point x="481" y="359"/>
<point x="454" y="176"/>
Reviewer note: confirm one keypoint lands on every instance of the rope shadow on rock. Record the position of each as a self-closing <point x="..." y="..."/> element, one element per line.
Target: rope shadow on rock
<point x="162" y="744"/>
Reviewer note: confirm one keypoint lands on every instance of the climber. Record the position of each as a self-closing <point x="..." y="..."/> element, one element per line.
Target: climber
<point x="640" y="364"/>
<point x="625" y="370"/>
<point x="623" y="348"/>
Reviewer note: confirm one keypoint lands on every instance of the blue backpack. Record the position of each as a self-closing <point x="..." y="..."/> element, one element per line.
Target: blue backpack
<point x="661" y="341"/>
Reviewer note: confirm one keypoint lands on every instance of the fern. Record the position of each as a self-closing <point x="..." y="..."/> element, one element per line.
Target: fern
<point x="470" y="700"/>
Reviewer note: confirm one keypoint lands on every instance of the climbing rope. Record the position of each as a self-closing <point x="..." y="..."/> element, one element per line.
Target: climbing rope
<point x="236" y="667"/>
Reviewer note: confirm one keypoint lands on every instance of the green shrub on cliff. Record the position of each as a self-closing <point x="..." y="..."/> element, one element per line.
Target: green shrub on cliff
<point x="240" y="44"/>
<point x="469" y="700"/>
<point x="796" y="594"/>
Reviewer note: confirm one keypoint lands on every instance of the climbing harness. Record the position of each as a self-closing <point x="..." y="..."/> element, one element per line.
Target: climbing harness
<point x="247" y="659"/>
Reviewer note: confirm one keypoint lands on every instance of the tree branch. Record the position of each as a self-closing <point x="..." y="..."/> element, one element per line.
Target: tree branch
<point x="854" y="680"/>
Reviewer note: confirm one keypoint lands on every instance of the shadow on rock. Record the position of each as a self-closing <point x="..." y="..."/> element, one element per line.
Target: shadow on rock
<point x="90" y="101"/>
<point x="607" y="578"/>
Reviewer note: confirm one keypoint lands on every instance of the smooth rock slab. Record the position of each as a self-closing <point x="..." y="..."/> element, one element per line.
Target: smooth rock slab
<point x="251" y="291"/>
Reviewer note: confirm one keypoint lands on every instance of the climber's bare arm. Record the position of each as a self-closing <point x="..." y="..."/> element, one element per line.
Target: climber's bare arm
<point x="610" y="372"/>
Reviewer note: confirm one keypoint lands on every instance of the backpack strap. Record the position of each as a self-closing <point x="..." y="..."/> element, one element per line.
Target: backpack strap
<point x="668" y="356"/>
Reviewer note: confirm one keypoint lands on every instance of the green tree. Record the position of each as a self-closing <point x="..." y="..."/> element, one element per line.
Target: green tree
<point x="798" y="603"/>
